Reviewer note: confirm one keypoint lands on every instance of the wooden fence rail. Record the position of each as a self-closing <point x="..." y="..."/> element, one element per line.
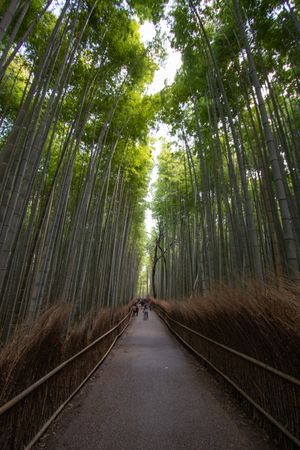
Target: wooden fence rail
<point x="275" y="394"/>
<point x="45" y="399"/>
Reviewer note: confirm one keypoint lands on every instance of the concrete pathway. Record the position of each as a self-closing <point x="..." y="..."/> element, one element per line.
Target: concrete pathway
<point x="151" y="394"/>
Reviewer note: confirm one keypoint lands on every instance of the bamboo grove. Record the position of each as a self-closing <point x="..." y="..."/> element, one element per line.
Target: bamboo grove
<point x="74" y="153"/>
<point x="227" y="199"/>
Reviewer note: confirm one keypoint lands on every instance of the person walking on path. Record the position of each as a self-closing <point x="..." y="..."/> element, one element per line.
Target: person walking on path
<point x="146" y="312"/>
<point x="135" y="310"/>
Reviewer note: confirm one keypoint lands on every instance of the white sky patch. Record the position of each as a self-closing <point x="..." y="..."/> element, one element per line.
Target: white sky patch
<point x="56" y="7"/>
<point x="147" y="30"/>
<point x="166" y="73"/>
<point x="164" y="76"/>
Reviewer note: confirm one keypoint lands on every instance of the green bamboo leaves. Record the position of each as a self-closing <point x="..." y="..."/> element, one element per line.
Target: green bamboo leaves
<point x="74" y="156"/>
<point x="234" y="112"/>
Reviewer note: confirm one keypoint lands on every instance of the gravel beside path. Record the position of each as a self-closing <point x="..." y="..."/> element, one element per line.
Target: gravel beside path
<point x="151" y="394"/>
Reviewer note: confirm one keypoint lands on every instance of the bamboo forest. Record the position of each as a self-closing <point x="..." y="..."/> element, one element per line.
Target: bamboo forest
<point x="110" y="191"/>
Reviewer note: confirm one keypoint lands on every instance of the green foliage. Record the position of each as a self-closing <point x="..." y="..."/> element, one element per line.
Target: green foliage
<point x="171" y="183"/>
<point x="12" y="87"/>
<point x="82" y="72"/>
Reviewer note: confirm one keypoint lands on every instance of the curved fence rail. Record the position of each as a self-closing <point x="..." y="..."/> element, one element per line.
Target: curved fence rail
<point x="275" y="394"/>
<point x="46" y="398"/>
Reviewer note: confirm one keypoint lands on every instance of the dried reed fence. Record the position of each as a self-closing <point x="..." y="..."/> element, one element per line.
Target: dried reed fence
<point x="260" y="321"/>
<point x="35" y="352"/>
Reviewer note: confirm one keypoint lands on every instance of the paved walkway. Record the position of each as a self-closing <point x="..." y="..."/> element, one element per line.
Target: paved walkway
<point x="151" y="394"/>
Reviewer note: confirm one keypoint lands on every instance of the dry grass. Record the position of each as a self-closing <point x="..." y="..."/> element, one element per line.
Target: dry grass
<point x="261" y="320"/>
<point x="34" y="351"/>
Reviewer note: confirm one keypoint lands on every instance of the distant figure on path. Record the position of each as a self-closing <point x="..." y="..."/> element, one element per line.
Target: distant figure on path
<point x="135" y="309"/>
<point x="146" y="311"/>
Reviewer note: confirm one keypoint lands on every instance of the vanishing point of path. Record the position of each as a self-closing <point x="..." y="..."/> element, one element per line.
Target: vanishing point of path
<point x="151" y="394"/>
